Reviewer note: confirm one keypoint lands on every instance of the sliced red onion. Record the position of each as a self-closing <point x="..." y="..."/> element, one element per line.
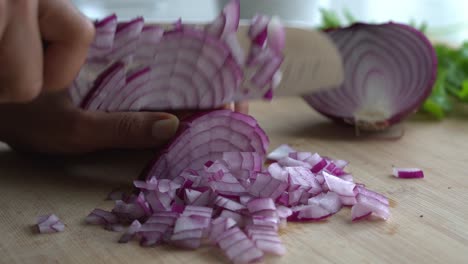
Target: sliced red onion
<point x="258" y="29"/>
<point x="227" y="184"/>
<point x="408" y="173"/>
<point x="276" y="36"/>
<point x="194" y="197"/>
<point x="206" y="137"/>
<point x="310" y="212"/>
<point x="238" y="247"/>
<point x="374" y="205"/>
<point x="290" y="162"/>
<point x="348" y="200"/>
<point x="390" y="69"/>
<point x="283" y="211"/>
<point x="303" y="178"/>
<point x="267" y="241"/>
<point x="329" y="201"/>
<point x="229" y="204"/>
<point x="131" y="231"/>
<point x="187" y="239"/>
<point x="360" y="211"/>
<point x="101" y="217"/>
<point x="280" y="152"/>
<point x="135" y="209"/>
<point x="219" y="226"/>
<point x="49" y="224"/>
<point x="251" y="161"/>
<point x="364" y="191"/>
<point x="266" y="185"/>
<point x="237" y="217"/>
<point x="185" y="67"/>
<point x="261" y="204"/>
<point x="341" y="187"/>
<point x="104" y="40"/>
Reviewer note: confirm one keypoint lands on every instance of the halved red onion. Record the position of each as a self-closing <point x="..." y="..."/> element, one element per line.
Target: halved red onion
<point x="390" y="69"/>
<point x="408" y="173"/>
<point x="49" y="224"/>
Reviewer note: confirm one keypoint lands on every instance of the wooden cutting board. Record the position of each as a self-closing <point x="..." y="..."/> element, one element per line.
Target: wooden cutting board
<point x="429" y="221"/>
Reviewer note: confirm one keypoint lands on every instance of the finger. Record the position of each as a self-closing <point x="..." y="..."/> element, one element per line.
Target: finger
<point x="127" y="130"/>
<point x="68" y="35"/>
<point x="242" y="107"/>
<point x="21" y="53"/>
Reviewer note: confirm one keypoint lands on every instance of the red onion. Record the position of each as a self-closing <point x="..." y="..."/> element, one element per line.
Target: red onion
<point x="390" y="69"/>
<point x="408" y="173"/>
<point x="209" y="135"/>
<point x="131" y="231"/>
<point x="49" y="224"/>
<point x="210" y="183"/>
<point x="280" y="152"/>
<point x="134" y="66"/>
<point x="238" y="247"/>
<point x="101" y="217"/>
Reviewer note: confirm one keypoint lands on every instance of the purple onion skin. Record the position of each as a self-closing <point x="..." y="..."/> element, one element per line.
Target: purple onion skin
<point x="401" y="115"/>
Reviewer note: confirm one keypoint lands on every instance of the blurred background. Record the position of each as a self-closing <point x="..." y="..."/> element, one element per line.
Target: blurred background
<point x="446" y="20"/>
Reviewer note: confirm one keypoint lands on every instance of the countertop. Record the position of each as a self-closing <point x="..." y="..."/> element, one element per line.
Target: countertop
<point x="429" y="221"/>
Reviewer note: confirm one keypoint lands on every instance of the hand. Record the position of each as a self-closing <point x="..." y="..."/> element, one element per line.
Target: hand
<point x="43" y="44"/>
<point x="51" y="124"/>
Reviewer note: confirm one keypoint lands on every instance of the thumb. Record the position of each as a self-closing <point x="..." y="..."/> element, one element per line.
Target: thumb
<point x="128" y="129"/>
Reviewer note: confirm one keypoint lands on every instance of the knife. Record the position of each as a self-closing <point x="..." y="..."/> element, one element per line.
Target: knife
<point x="312" y="63"/>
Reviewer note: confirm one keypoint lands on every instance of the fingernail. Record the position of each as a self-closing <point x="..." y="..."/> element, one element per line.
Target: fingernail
<point x="165" y="129"/>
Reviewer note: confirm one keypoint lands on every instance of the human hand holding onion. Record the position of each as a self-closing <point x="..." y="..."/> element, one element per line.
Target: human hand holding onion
<point x="52" y="124"/>
<point x="36" y="113"/>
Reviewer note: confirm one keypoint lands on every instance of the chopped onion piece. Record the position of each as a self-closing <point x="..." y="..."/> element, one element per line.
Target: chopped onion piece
<point x="49" y="224"/>
<point x="280" y="152"/>
<point x="408" y="173"/>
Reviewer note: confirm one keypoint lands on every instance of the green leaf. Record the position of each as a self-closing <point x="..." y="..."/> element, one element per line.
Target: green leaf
<point x="329" y="19"/>
<point x="462" y="94"/>
<point x="438" y="104"/>
<point x="349" y="17"/>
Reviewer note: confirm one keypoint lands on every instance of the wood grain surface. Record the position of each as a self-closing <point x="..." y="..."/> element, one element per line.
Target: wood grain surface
<point x="429" y="222"/>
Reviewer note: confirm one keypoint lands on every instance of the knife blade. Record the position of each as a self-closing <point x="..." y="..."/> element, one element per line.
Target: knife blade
<point x="311" y="63"/>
